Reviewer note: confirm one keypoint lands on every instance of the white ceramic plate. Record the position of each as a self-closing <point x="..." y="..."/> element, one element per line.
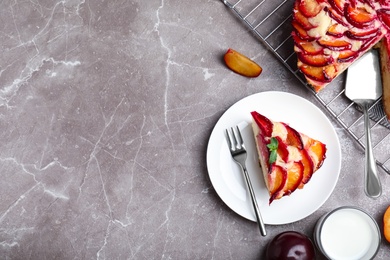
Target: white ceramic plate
<point x="226" y="176"/>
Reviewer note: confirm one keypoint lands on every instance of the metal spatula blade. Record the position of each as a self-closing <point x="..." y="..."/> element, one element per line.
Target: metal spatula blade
<point x="364" y="87"/>
<point x="364" y="78"/>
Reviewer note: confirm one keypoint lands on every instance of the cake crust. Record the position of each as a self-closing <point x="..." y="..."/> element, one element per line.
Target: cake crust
<point x="384" y="51"/>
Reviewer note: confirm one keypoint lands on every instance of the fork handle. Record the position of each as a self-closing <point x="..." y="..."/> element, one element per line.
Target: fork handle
<point x="254" y="202"/>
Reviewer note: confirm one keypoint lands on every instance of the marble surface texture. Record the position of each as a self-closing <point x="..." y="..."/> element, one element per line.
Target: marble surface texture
<point x="106" y="108"/>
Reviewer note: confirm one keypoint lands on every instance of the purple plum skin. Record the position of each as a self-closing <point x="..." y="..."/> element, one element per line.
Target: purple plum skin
<point x="290" y="245"/>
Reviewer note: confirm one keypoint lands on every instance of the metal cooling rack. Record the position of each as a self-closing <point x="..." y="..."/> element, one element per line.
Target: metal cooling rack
<point x="270" y="21"/>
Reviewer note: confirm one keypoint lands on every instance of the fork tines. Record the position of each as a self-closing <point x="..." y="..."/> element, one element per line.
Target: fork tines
<point x="234" y="139"/>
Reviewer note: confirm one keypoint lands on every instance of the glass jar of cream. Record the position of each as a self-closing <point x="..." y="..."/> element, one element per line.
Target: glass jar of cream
<point x="347" y="233"/>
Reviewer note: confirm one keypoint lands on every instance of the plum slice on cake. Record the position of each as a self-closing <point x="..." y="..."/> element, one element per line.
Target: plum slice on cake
<point x="329" y="35"/>
<point x="287" y="157"/>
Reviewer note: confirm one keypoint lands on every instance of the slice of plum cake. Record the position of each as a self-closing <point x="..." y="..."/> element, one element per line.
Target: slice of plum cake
<point x="288" y="158"/>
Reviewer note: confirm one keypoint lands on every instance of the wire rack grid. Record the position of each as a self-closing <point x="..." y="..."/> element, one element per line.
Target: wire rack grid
<point x="270" y="21"/>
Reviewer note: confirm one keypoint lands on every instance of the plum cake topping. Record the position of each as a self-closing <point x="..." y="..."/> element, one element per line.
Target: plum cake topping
<point x="330" y="34"/>
<point x="288" y="158"/>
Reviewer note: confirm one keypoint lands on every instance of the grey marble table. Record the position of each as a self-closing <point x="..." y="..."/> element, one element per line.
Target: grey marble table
<point x="106" y="108"/>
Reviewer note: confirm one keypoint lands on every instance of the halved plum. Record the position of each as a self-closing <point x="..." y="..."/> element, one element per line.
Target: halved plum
<point x="310" y="48"/>
<point x="317" y="60"/>
<point x="277" y="178"/>
<point x="241" y="64"/>
<point x="302" y="19"/>
<point x="264" y="123"/>
<point x="339" y="18"/>
<point x="301" y="32"/>
<point x="294" y="178"/>
<point x="293" y="137"/>
<point x="317" y="152"/>
<point x="335" y="30"/>
<point x="307" y="167"/>
<point x="309" y="8"/>
<point x="347" y="56"/>
<point x="321" y="74"/>
<point x="362" y="35"/>
<point x="338" y="5"/>
<point x="359" y="17"/>
<point x="282" y="149"/>
<point x="335" y="44"/>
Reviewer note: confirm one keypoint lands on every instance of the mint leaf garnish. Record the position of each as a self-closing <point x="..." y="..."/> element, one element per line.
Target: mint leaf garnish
<point x="273" y="148"/>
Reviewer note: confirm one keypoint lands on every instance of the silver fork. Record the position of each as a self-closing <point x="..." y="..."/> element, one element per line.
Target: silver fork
<point x="239" y="154"/>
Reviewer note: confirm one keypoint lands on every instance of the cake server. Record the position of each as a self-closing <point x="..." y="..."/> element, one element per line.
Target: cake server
<point x="364" y="86"/>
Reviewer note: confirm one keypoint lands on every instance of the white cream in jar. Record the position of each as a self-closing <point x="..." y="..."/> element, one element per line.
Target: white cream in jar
<point x="347" y="233"/>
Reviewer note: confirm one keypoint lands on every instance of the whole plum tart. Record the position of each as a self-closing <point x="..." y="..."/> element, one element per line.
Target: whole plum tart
<point x="329" y="35"/>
